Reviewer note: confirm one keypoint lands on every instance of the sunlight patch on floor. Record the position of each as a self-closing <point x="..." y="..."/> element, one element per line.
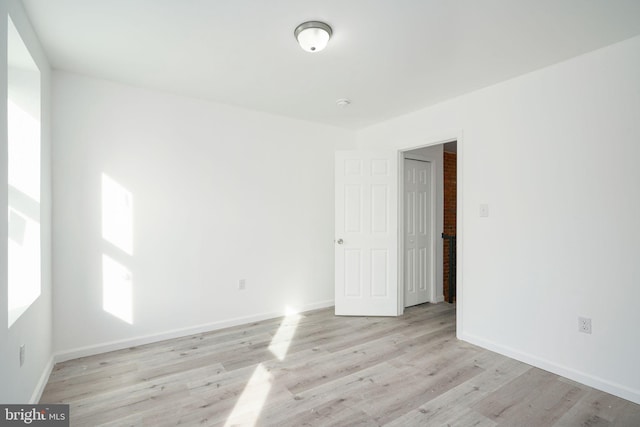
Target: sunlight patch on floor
<point x="281" y="341"/>
<point x="249" y="406"/>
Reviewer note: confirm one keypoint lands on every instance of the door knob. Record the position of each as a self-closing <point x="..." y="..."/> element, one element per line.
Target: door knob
<point x="340" y="241"/>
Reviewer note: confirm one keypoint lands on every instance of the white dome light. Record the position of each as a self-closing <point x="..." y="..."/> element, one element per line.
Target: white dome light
<point x="313" y="36"/>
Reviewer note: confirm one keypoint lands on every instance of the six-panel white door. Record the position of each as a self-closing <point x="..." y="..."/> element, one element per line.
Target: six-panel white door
<point x="366" y="237"/>
<point x="417" y="232"/>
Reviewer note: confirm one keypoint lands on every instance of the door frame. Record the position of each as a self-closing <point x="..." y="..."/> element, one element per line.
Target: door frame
<point x="410" y="146"/>
<point x="432" y="224"/>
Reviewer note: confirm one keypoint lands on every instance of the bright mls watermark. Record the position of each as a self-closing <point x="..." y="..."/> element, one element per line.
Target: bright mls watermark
<point x="34" y="415"/>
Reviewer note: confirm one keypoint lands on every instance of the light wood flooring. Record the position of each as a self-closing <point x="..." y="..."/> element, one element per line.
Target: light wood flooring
<point x="316" y="369"/>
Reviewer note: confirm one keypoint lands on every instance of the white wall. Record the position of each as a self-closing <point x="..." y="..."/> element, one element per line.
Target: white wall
<point x="33" y="328"/>
<point x="555" y="155"/>
<point x="219" y="194"/>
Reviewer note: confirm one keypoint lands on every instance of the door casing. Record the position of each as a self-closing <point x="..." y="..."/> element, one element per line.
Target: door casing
<point x="402" y="151"/>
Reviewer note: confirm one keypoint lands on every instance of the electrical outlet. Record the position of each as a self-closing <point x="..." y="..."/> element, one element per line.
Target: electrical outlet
<point x="242" y="284"/>
<point x="22" y="355"/>
<point x="584" y="325"/>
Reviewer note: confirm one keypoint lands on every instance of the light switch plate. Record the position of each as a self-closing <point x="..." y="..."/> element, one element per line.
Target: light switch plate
<point x="484" y="210"/>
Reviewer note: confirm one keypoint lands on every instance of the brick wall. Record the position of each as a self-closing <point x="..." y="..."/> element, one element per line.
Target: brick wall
<point x="450" y="183"/>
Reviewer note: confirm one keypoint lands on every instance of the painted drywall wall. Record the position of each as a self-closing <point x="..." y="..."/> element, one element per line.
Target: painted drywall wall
<point x="562" y="238"/>
<point x="23" y="384"/>
<point x="217" y="194"/>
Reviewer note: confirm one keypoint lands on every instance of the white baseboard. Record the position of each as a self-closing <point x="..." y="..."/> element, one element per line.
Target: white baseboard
<point x="581" y="377"/>
<point x="91" y="350"/>
<point x="42" y="382"/>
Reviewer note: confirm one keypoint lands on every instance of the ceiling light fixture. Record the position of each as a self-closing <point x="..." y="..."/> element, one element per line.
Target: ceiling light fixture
<point x="313" y="36"/>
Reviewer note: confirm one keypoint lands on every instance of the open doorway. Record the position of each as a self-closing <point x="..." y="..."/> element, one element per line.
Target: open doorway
<point x="428" y="224"/>
<point x="370" y="230"/>
<point x="421" y="218"/>
<point x="450" y="185"/>
<point x="418" y="230"/>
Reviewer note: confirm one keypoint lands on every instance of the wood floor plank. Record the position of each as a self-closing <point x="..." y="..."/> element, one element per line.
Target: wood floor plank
<point x="346" y="389"/>
<point x="415" y="389"/>
<point x="498" y="371"/>
<point x="520" y="400"/>
<point x="320" y="370"/>
<point x="317" y="369"/>
<point x="600" y="409"/>
<point x="114" y="397"/>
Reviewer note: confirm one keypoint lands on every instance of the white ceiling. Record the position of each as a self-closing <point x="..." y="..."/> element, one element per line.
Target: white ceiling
<point x="389" y="57"/>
